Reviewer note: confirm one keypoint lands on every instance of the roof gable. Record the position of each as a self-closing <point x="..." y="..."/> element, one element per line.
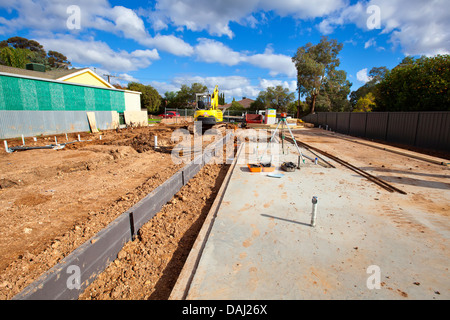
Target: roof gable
<point x="86" y="76"/>
<point x="80" y="76"/>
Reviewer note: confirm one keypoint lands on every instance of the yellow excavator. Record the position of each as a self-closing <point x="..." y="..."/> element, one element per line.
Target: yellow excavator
<point x="207" y="110"/>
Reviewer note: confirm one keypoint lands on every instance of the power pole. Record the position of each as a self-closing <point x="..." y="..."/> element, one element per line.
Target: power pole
<point x="109" y="77"/>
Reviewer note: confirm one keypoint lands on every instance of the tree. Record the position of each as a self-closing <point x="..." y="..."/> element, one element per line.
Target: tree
<point x="416" y="85"/>
<point x="314" y="63"/>
<point x="35" y="54"/>
<point x="333" y="96"/>
<point x="376" y="75"/>
<point x="221" y="99"/>
<point x="274" y="97"/>
<point x="57" y="60"/>
<point x="236" y="106"/>
<point x="365" y="104"/>
<point x="150" y="98"/>
<point x="23" y="43"/>
<point x="16" y="58"/>
<point x="186" y="96"/>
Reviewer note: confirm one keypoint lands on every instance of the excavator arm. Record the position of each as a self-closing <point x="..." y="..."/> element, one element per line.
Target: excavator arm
<point x="215" y="98"/>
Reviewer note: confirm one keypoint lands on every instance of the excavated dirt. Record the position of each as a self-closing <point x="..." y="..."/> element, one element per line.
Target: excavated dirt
<point x="148" y="267"/>
<point x="52" y="201"/>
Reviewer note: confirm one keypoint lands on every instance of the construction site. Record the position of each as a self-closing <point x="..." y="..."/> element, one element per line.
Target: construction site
<point x="111" y="215"/>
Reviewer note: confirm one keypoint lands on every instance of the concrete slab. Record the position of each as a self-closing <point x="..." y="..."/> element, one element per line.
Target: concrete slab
<point x="262" y="246"/>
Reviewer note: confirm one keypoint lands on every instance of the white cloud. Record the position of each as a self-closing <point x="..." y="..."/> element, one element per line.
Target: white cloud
<point x="362" y="75"/>
<point x="216" y="15"/>
<point x="265" y="83"/>
<point x="212" y="51"/>
<point x="47" y="16"/>
<point x="370" y="43"/>
<point x="168" y="43"/>
<point x="276" y="63"/>
<point x="231" y="86"/>
<point x="93" y="52"/>
<point x="417" y="26"/>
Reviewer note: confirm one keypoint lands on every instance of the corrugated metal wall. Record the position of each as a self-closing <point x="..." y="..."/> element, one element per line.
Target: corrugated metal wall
<point x="31" y="123"/>
<point x="430" y="130"/>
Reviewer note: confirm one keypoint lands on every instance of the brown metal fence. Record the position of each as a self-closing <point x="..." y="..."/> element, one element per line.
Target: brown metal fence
<point x="429" y="130"/>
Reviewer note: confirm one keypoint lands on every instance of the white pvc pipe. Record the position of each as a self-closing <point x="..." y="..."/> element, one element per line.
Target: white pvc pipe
<point x="314" y="211"/>
<point x="156" y="142"/>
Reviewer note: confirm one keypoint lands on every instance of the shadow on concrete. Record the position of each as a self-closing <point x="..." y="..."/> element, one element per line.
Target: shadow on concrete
<point x="288" y="220"/>
<point x="407" y="172"/>
<point x="416" y="182"/>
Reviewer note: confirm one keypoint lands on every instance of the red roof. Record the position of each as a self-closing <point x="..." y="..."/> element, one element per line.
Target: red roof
<point x="244" y="102"/>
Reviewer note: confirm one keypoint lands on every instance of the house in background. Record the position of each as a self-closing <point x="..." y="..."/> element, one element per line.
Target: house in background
<point x="34" y="102"/>
<point x="245" y="102"/>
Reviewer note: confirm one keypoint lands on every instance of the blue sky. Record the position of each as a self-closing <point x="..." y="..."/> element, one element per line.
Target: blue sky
<point x="242" y="46"/>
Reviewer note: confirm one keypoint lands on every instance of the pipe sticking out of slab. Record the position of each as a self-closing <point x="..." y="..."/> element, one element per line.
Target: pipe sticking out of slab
<point x="314" y="211"/>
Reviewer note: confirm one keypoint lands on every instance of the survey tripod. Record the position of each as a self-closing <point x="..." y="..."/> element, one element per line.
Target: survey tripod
<point x="282" y="122"/>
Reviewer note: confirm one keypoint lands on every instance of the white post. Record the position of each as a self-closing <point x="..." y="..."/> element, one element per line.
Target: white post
<point x="6" y="146"/>
<point x="79" y="138"/>
<point x="314" y="211"/>
<point x="156" y="142"/>
<point x="67" y="139"/>
<point x="23" y="140"/>
<point x="56" y="140"/>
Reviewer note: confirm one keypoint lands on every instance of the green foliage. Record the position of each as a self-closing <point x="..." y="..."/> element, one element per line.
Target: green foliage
<point x="416" y="85"/>
<point x="315" y="64"/>
<point x="57" y="60"/>
<point x="18" y="51"/>
<point x="185" y="97"/>
<point x="376" y="74"/>
<point x="222" y="99"/>
<point x="274" y="98"/>
<point x="334" y="92"/>
<point x="16" y="58"/>
<point x="150" y="98"/>
<point x="258" y="104"/>
<point x="365" y="104"/>
<point x="236" y="106"/>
